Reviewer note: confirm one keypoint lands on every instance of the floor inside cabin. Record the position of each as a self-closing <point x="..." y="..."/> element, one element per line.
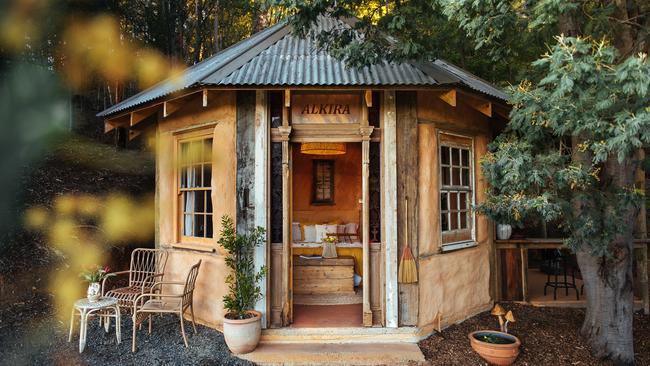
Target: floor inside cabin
<point x="327" y="316"/>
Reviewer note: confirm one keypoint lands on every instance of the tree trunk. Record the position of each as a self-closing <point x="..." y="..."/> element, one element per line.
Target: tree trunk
<point x="610" y="303"/>
<point x="609" y="280"/>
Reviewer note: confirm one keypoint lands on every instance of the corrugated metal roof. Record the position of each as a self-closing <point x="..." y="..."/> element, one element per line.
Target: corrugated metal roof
<point x="296" y="61"/>
<point x="472" y="81"/>
<point x="275" y="57"/>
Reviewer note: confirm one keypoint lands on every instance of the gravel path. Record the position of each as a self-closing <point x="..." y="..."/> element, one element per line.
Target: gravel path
<point x="45" y="343"/>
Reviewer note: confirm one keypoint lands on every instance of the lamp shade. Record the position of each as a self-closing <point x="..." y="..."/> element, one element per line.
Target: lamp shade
<point x="323" y="148"/>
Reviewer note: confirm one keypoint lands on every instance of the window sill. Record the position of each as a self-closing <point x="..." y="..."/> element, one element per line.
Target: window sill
<point x="196" y="247"/>
<point x="452" y="247"/>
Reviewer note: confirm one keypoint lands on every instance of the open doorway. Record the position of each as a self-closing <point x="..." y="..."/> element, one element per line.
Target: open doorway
<point x="326" y="203"/>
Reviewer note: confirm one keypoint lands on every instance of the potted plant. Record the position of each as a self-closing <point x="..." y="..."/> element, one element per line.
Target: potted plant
<point x="506" y="212"/>
<point x="94" y="277"/>
<point x="242" y="325"/>
<point x="498" y="348"/>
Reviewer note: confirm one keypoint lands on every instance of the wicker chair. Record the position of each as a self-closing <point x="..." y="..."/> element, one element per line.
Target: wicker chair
<point x="159" y="303"/>
<point x="147" y="266"/>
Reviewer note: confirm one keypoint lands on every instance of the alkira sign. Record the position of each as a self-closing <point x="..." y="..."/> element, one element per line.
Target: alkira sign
<point x="325" y="108"/>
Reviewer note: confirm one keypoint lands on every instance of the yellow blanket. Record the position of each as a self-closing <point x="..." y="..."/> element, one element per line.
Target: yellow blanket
<point x="357" y="253"/>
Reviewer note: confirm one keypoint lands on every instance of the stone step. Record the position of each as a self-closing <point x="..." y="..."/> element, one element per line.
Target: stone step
<point x="336" y="354"/>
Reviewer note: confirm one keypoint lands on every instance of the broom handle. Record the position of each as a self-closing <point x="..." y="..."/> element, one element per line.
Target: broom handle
<point x="406" y="222"/>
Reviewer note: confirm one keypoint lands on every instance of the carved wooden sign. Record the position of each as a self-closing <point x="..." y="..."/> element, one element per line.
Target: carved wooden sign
<point x="325" y="108"/>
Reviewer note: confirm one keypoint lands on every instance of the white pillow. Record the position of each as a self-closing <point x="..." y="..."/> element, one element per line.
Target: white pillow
<point x="351" y="228"/>
<point x="310" y="233"/>
<point x="340" y="229"/>
<point x="295" y="231"/>
<point x="321" y="232"/>
<point x="331" y="229"/>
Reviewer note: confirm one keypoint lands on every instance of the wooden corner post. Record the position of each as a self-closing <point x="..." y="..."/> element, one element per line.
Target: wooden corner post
<point x="389" y="206"/>
<point x="365" y="131"/>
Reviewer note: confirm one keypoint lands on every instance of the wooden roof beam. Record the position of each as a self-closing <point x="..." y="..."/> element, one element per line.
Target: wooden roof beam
<point x="171" y="106"/>
<point x="142" y="114"/>
<point x="120" y="121"/>
<point x="367" y="95"/>
<point x="449" y="97"/>
<point x="287" y="98"/>
<point x="483" y="105"/>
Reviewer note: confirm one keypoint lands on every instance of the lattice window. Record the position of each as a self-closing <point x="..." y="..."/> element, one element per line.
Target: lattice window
<point x="456" y="189"/>
<point x="195" y="176"/>
<point x="323" y="182"/>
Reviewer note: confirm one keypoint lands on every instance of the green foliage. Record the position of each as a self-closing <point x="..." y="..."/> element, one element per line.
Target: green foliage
<point x="404" y="31"/>
<point x="603" y="105"/>
<point x="96" y="274"/>
<point x="243" y="282"/>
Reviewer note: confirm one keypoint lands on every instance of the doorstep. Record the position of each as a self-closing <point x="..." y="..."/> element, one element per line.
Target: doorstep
<point x="343" y="335"/>
<point x="336" y="354"/>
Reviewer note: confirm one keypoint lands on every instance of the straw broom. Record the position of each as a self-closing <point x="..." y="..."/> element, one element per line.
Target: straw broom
<point x="408" y="272"/>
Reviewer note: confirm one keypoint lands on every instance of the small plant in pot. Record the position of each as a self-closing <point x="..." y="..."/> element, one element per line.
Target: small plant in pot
<point x="242" y="325"/>
<point x="507" y="213"/>
<point x="94" y="276"/>
<point x="497" y="348"/>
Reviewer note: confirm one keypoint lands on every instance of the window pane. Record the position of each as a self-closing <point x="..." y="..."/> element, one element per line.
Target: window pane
<point x="444" y="223"/>
<point x="465" y="157"/>
<point x="455" y="156"/>
<point x="194" y="178"/>
<point x="453" y="197"/>
<point x="444" y="205"/>
<point x="445" y="176"/>
<point x="207" y="150"/>
<point x="188" y="202"/>
<point x="454" y="221"/>
<point x="183" y="178"/>
<point x="199" y="225"/>
<point x="444" y="155"/>
<point x="207" y="175"/>
<point x="199" y="201"/>
<point x="465" y="177"/>
<point x="187" y="225"/>
<point x="208" y="226"/>
<point x="455" y="176"/>
<point x="463" y="201"/>
<point x="208" y="200"/>
<point x="185" y="154"/>
<point x="463" y="220"/>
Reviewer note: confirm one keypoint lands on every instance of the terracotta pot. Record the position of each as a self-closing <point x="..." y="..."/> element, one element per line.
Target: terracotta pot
<point x="496" y="354"/>
<point x="243" y="335"/>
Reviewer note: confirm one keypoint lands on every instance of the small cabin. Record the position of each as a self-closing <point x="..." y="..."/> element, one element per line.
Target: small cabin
<point x="277" y="133"/>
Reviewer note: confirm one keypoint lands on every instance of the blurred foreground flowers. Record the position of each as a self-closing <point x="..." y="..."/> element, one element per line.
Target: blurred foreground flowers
<point x="83" y="228"/>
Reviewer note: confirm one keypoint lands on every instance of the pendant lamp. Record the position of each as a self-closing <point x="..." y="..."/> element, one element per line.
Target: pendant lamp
<point x="323" y="148"/>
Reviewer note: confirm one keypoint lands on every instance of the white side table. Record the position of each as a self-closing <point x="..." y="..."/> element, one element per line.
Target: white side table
<point x="102" y="308"/>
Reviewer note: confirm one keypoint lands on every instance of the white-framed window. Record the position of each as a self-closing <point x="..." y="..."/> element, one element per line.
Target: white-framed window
<point x="456" y="155"/>
<point x="194" y="188"/>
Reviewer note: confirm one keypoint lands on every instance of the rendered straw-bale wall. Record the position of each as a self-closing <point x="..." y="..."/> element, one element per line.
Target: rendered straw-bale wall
<point x="219" y="117"/>
<point x="455" y="285"/>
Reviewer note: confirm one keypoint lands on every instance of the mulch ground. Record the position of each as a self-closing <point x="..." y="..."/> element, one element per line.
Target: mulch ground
<point x="549" y="336"/>
<point x="30" y="335"/>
